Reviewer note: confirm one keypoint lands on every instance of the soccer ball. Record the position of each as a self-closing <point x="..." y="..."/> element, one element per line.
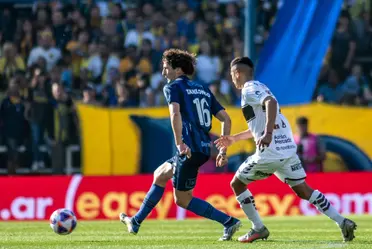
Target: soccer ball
<point x="63" y="221"/>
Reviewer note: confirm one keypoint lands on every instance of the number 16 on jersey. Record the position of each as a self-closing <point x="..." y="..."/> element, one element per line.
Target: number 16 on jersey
<point x="204" y="113"/>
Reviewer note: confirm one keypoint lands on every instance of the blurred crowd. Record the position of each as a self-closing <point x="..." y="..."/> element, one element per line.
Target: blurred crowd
<point x="108" y="53"/>
<point x="346" y="75"/>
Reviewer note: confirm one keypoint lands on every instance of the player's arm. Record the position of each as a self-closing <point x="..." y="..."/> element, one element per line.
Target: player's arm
<point x="271" y="106"/>
<point x="225" y="120"/>
<point x="220" y="113"/>
<point x="244" y="135"/>
<point x="172" y="95"/>
<point x="176" y="122"/>
<point x="226" y="141"/>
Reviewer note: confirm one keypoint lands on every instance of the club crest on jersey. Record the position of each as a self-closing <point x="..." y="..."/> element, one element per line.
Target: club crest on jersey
<point x="258" y="94"/>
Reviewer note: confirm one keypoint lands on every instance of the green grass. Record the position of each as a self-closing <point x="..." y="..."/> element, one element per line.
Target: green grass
<point x="292" y="232"/>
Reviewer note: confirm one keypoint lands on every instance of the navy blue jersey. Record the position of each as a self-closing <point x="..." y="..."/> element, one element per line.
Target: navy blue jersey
<point x="197" y="105"/>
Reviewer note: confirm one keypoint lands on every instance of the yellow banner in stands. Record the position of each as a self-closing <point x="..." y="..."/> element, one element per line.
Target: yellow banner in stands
<point x="111" y="140"/>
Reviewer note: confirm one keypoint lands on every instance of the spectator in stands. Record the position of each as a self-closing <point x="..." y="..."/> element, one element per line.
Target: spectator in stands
<point x="77" y="22"/>
<point x="89" y="95"/>
<point x="42" y="16"/>
<point x="143" y="84"/>
<point x="65" y="126"/>
<point x="46" y="51"/>
<point x="186" y="25"/>
<point x="157" y="24"/>
<point x="7" y="24"/>
<point x="95" y="18"/>
<point x="171" y="39"/>
<point x="129" y="23"/>
<point x="147" y="12"/>
<point x="10" y="63"/>
<point x="128" y="68"/>
<point x="343" y="44"/>
<point x="363" y="31"/>
<point x="352" y="85"/>
<point x="79" y="50"/>
<point x="61" y="32"/>
<point x="208" y="66"/>
<point x="201" y="35"/>
<point x="157" y="82"/>
<point x="27" y="39"/>
<point x="311" y="150"/>
<point x="232" y="20"/>
<point x="122" y="95"/>
<point x="146" y="58"/>
<point x="215" y="88"/>
<point x="116" y="14"/>
<point x="101" y="63"/>
<point x="12" y="115"/>
<point x="136" y="36"/>
<point x="333" y="90"/>
<point x="38" y="114"/>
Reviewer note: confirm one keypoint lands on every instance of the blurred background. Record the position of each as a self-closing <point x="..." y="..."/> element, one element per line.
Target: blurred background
<point x="81" y="84"/>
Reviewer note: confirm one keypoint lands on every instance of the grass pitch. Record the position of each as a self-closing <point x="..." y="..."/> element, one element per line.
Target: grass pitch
<point x="286" y="232"/>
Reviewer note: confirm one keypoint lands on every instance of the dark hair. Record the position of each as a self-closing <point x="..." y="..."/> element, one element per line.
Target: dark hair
<point x="180" y="58"/>
<point x="242" y="60"/>
<point x="302" y="121"/>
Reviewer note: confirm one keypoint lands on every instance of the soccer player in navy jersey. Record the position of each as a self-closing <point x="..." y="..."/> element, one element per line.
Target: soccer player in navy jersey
<point x="191" y="106"/>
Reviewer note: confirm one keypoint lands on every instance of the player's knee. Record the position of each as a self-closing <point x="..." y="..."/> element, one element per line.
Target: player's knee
<point x="163" y="173"/>
<point x="181" y="202"/>
<point x="162" y="178"/>
<point x="182" y="198"/>
<point x="237" y="185"/>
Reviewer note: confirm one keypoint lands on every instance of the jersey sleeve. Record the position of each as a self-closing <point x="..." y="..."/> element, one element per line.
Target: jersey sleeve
<point x="172" y="93"/>
<point x="254" y="95"/>
<point x="215" y="105"/>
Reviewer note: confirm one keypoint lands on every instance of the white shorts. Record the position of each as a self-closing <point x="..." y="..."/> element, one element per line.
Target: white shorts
<point x="288" y="170"/>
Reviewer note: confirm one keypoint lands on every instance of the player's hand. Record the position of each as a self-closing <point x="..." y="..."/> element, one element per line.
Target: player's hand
<point x="223" y="142"/>
<point x="183" y="149"/>
<point x="264" y="141"/>
<point x="221" y="159"/>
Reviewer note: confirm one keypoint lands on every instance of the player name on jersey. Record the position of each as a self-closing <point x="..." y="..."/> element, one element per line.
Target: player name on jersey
<point x="197" y="91"/>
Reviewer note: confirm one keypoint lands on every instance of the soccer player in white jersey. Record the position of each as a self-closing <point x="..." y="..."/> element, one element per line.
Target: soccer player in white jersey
<point x="275" y="153"/>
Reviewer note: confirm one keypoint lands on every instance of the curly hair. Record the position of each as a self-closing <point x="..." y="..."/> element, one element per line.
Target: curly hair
<point x="180" y="58"/>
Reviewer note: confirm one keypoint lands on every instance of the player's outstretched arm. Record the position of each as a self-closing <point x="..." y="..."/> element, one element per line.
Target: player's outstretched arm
<point x="176" y="122"/>
<point x="271" y="109"/>
<point x="226" y="141"/>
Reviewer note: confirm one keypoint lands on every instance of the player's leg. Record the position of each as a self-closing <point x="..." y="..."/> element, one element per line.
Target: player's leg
<point x="294" y="175"/>
<point x="318" y="199"/>
<point x="184" y="181"/>
<point x="248" y="172"/>
<point x="161" y="176"/>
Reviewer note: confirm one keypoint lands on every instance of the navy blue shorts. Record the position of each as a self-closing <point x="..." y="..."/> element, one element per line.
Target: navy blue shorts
<point x="186" y="170"/>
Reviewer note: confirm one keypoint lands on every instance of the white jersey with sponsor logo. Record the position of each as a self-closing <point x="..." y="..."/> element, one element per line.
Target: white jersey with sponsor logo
<point x="282" y="145"/>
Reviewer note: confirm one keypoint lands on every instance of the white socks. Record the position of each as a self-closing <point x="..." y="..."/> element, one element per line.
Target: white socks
<point x="325" y="207"/>
<point x="247" y="204"/>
